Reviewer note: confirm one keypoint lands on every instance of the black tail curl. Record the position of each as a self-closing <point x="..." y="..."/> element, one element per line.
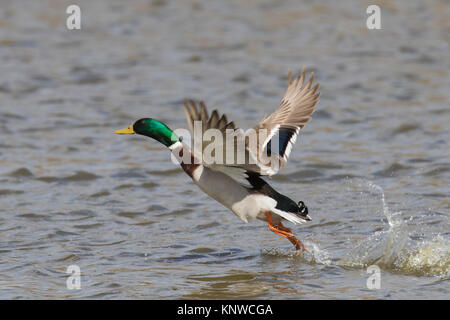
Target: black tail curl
<point x="302" y="209"/>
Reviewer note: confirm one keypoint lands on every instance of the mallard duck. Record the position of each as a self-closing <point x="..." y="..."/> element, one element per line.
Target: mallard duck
<point x="240" y="187"/>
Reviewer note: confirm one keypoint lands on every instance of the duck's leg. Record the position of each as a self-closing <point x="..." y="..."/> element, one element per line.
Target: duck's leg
<point x="293" y="239"/>
<point x="284" y="232"/>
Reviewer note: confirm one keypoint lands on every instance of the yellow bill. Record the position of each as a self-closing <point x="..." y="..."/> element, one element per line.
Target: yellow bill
<point x="128" y="130"/>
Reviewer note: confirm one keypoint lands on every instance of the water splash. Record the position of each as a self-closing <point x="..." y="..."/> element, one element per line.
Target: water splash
<point x="431" y="258"/>
<point x="393" y="218"/>
<point x="395" y="250"/>
<point x="313" y="255"/>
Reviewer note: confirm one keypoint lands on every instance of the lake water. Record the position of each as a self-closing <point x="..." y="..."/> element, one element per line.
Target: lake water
<point x="372" y="166"/>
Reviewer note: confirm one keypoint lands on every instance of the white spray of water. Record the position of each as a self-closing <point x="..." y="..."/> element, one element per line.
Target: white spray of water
<point x="393" y="249"/>
<point x="316" y="255"/>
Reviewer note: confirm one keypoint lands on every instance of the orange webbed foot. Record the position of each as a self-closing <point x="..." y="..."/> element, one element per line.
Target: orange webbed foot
<point x="281" y="230"/>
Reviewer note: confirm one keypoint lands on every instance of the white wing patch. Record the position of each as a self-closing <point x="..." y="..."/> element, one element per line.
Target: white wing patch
<point x="291" y="143"/>
<point x="270" y="136"/>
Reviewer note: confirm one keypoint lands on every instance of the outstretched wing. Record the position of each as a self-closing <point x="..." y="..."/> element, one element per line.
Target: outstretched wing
<point x="210" y="136"/>
<point x="240" y="153"/>
<point x="294" y="112"/>
<point x="229" y="155"/>
<point x="215" y="121"/>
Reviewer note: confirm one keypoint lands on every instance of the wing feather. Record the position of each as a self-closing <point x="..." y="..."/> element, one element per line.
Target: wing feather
<point x="294" y="112"/>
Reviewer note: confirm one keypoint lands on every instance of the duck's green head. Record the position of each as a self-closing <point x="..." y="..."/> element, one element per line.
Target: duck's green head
<point x="152" y="128"/>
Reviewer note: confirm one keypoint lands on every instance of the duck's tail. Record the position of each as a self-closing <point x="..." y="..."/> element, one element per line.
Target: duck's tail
<point x="291" y="216"/>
